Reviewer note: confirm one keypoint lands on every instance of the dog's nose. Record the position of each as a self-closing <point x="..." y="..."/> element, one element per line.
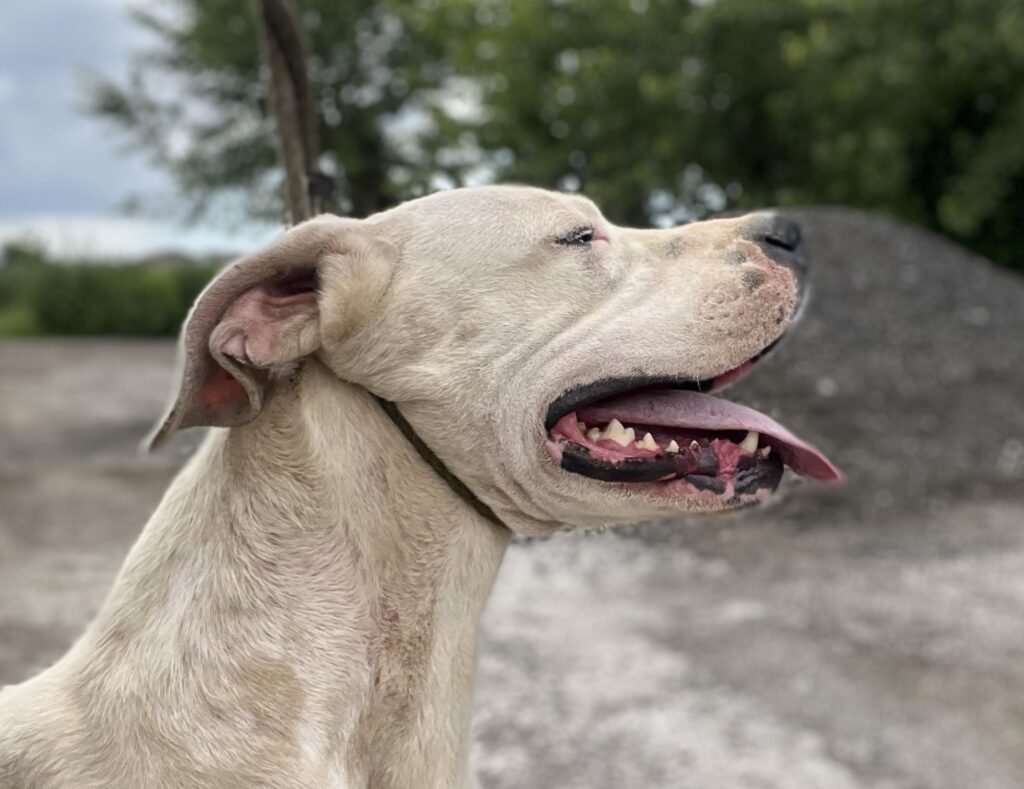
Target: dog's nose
<point x="783" y="233"/>
<point x="781" y="239"/>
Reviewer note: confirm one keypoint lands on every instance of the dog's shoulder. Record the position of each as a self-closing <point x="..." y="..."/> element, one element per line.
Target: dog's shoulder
<point x="34" y="732"/>
<point x="24" y="763"/>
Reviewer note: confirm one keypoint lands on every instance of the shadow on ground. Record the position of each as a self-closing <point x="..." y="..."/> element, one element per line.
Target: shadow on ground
<point x="868" y="636"/>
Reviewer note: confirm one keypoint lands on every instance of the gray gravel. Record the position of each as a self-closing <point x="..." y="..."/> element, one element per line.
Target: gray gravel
<point x="865" y="636"/>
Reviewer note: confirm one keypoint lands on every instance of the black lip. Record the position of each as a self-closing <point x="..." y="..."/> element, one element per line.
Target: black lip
<point x="753" y="473"/>
<point x="586" y="394"/>
<point x="578" y="460"/>
<point x="580" y="396"/>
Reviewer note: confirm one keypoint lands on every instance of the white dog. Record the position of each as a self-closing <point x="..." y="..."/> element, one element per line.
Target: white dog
<point x="404" y="393"/>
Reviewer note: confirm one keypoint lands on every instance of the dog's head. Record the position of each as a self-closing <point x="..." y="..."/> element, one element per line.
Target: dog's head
<point x="559" y="365"/>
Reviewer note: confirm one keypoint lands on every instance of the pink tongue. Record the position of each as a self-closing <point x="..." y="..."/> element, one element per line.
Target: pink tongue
<point x="683" y="409"/>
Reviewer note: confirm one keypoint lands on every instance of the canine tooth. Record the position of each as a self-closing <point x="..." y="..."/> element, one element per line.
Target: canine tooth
<point x="613" y="427"/>
<point x="648" y="442"/>
<point x="615" y="432"/>
<point x="582" y="426"/>
<point x="749" y="444"/>
<point x="594" y="434"/>
<point x="672" y="447"/>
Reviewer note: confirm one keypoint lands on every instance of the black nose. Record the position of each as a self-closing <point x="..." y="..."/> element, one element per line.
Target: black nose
<point x="783" y="234"/>
<point x="782" y="241"/>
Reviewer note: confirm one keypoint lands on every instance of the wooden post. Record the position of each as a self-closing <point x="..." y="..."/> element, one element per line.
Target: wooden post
<point x="291" y="104"/>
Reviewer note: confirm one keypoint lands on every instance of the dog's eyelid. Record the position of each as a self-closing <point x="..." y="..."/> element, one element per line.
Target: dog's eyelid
<point x="581" y="235"/>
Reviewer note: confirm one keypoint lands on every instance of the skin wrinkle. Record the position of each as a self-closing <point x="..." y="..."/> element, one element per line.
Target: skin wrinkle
<point x="300" y="610"/>
<point x="593" y="317"/>
<point x="558" y="340"/>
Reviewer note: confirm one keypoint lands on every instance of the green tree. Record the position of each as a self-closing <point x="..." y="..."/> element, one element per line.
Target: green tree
<point x="96" y="298"/>
<point x="911" y="106"/>
<point x="211" y="129"/>
<point x="667" y="110"/>
<point x="659" y="109"/>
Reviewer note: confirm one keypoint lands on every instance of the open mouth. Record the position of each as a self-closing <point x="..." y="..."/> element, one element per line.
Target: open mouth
<point x="675" y="439"/>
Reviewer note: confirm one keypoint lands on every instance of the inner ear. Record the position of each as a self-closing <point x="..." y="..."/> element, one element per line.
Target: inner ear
<point x="247" y="327"/>
<point x="274" y="322"/>
<point x="303" y="281"/>
<point x="252" y="326"/>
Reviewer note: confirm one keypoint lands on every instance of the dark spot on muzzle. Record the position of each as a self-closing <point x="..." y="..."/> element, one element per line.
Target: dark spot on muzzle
<point x="674" y="248"/>
<point x="751" y="280"/>
<point x="736" y="257"/>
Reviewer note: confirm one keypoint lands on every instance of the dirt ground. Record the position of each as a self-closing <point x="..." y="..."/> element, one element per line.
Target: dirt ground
<point x="868" y="636"/>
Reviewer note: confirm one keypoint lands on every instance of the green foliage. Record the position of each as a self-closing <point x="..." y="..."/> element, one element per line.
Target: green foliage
<point x="44" y="297"/>
<point x="365" y="68"/>
<point x="20" y="265"/>
<point x="17" y="320"/>
<point x="661" y="110"/>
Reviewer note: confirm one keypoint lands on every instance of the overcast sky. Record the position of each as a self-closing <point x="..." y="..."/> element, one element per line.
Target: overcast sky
<point x="62" y="173"/>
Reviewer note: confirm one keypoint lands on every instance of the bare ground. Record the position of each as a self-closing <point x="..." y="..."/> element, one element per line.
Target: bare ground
<point x="871" y="636"/>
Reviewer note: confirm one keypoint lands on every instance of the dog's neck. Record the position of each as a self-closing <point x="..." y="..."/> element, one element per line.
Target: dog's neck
<point x="304" y="600"/>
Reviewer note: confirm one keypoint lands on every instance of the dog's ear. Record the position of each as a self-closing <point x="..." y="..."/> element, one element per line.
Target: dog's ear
<point x="261" y="316"/>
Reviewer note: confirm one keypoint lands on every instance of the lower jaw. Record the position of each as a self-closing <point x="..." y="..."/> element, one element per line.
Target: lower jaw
<point x="687" y="497"/>
<point x="713" y="494"/>
<point x="695" y="492"/>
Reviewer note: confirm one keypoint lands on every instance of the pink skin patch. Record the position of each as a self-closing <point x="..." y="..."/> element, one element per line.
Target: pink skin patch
<point x="222" y="390"/>
<point x="728" y="452"/>
<point x="258" y="315"/>
<point x="606" y="449"/>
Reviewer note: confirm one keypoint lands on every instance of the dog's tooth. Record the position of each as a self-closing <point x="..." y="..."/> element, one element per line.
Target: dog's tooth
<point x="765" y="451"/>
<point x="594" y="434"/>
<point x="749" y="443"/>
<point x="615" y="432"/>
<point x="672" y="447"/>
<point x="648" y="442"/>
<point x="694" y="446"/>
<point x="582" y="426"/>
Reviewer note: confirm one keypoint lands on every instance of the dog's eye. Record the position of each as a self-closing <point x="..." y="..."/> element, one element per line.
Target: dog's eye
<point x="577" y="237"/>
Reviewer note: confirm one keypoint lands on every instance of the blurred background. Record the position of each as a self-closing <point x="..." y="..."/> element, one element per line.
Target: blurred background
<point x="867" y="636"/>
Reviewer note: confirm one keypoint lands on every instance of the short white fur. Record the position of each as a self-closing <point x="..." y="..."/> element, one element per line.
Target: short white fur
<point x="300" y="610"/>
